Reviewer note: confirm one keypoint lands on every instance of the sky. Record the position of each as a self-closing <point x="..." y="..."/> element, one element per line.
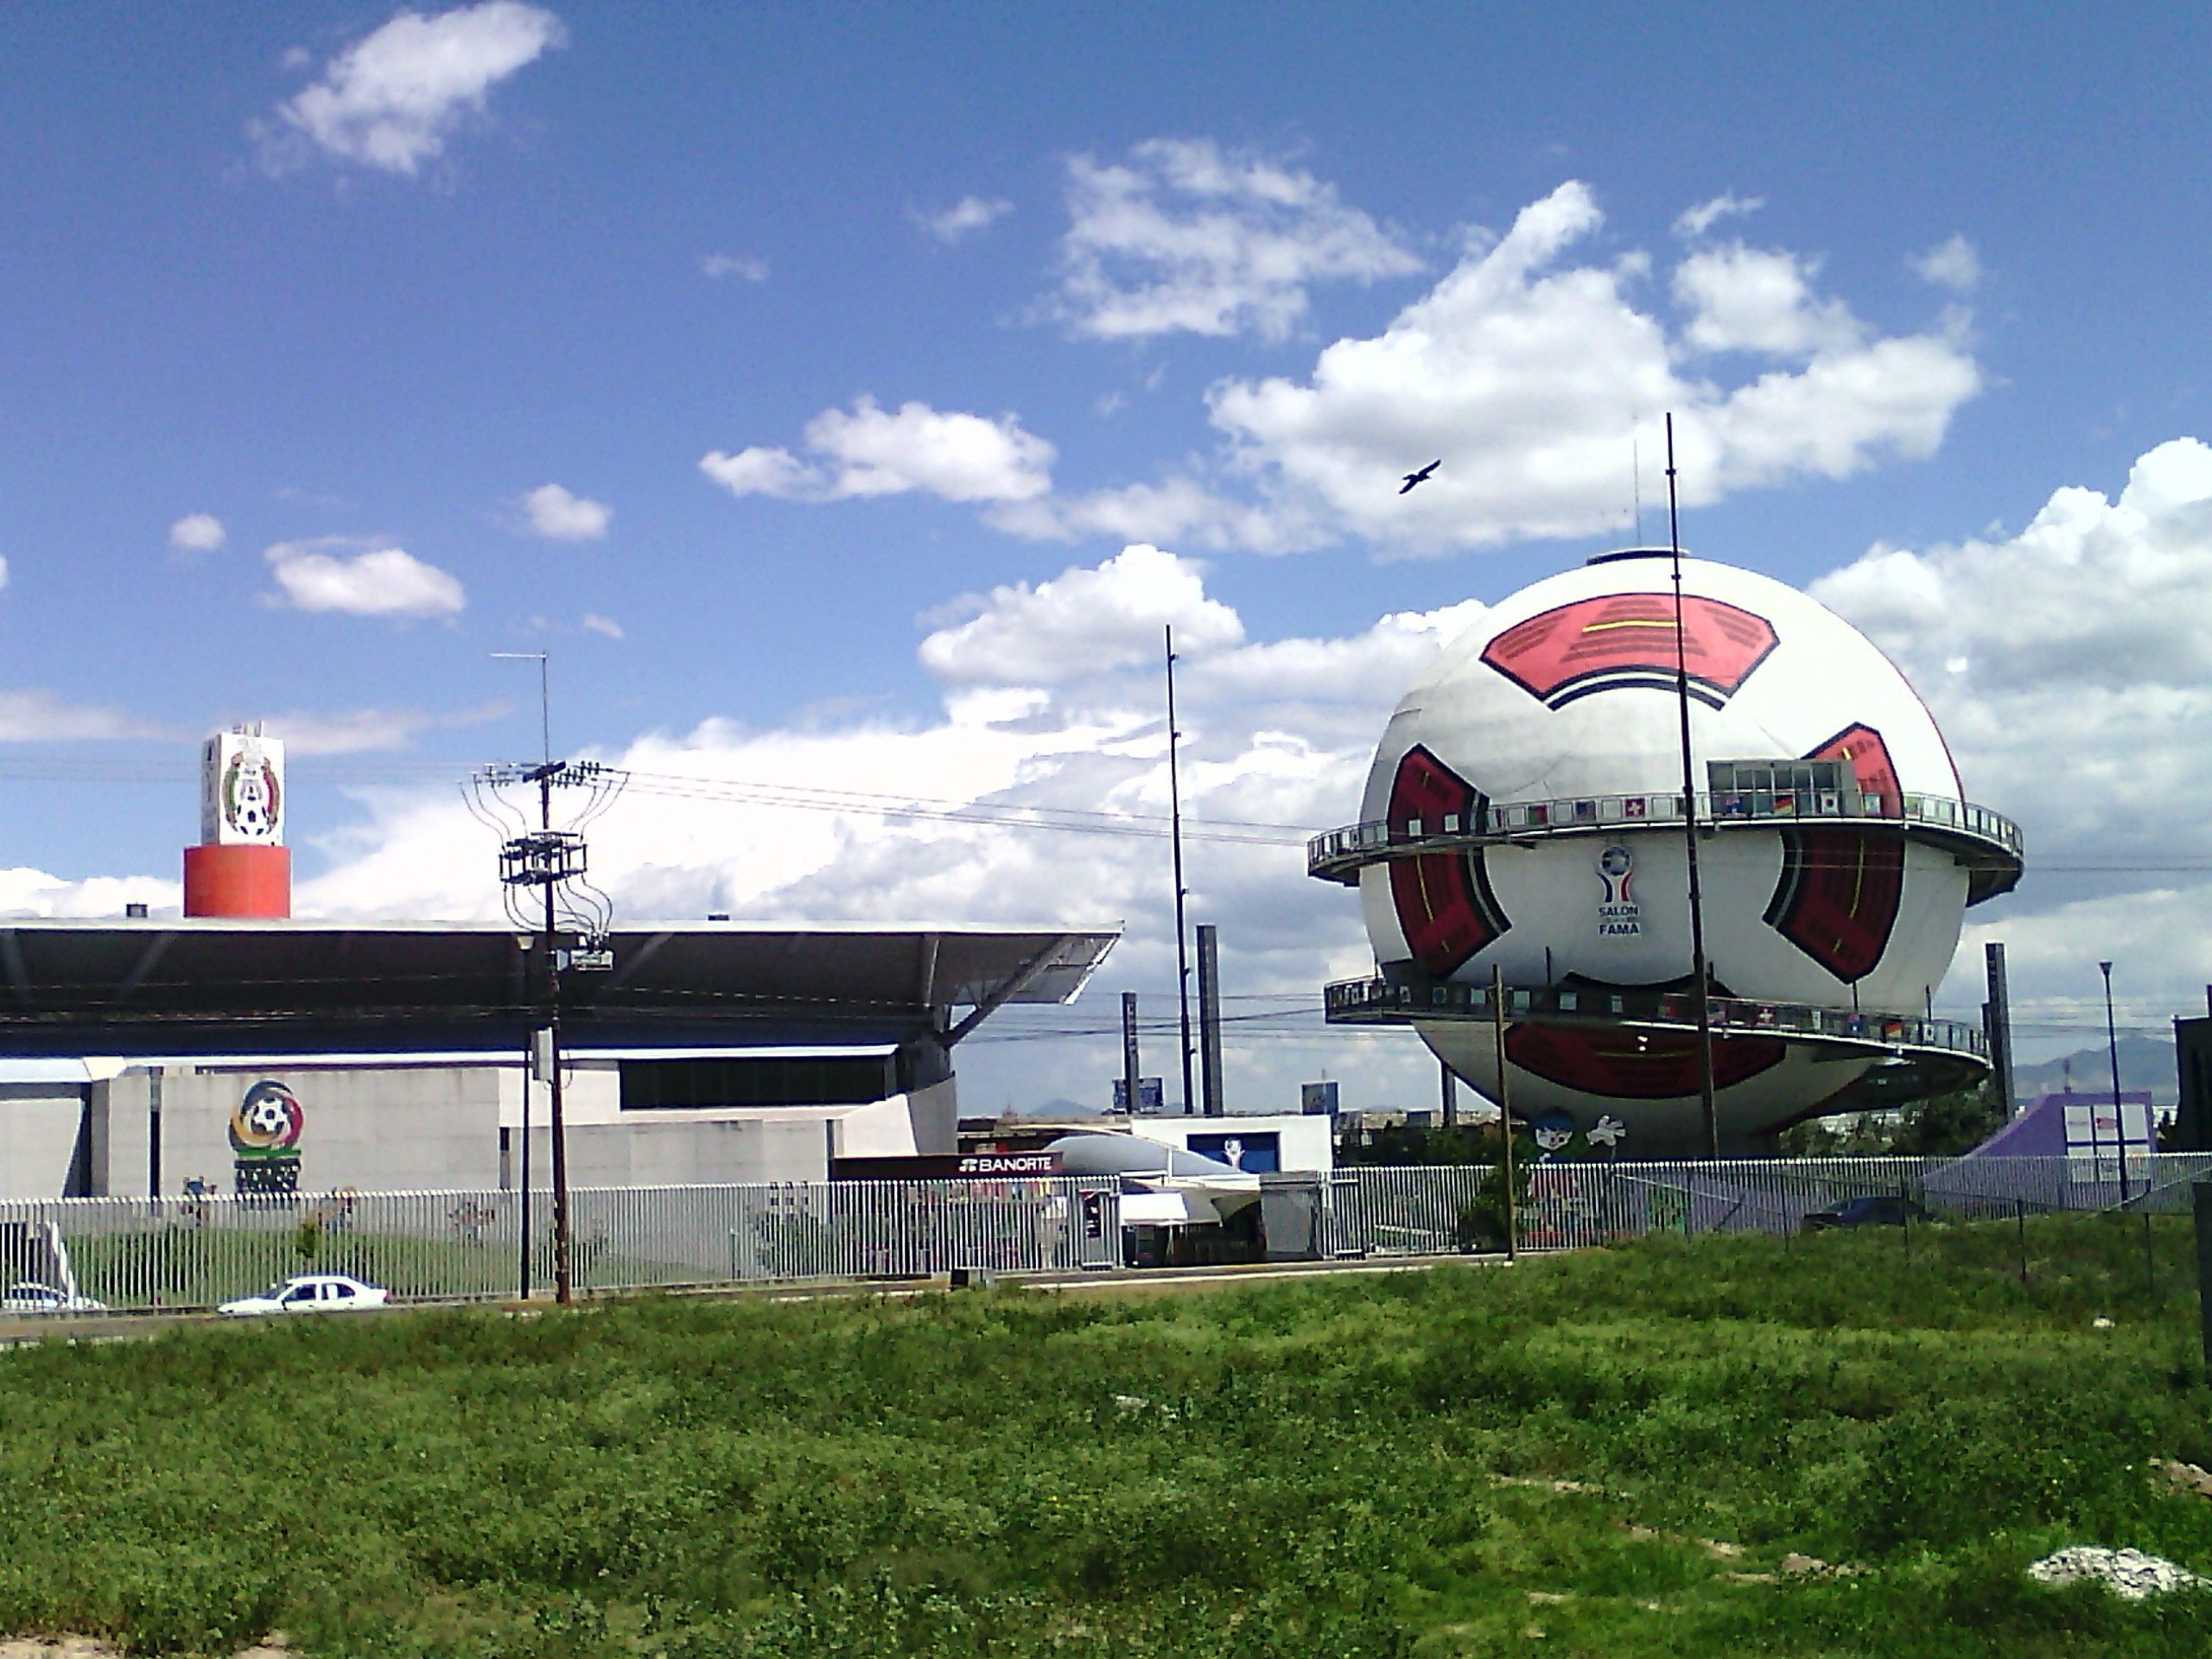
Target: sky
<point x="844" y="399"/>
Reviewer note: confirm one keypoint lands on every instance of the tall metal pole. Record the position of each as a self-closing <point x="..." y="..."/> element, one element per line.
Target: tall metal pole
<point x="545" y="738"/>
<point x="1504" y="1108"/>
<point x="1689" y="823"/>
<point x="561" y="1281"/>
<point x="1175" y="820"/>
<point x="524" y="1186"/>
<point x="2112" y="1048"/>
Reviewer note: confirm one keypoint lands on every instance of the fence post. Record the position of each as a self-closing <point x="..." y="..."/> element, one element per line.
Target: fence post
<point x="2020" y="1222"/>
<point x="2203" y="1191"/>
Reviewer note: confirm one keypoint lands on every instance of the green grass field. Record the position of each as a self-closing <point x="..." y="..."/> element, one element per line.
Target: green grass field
<point x="1469" y="1460"/>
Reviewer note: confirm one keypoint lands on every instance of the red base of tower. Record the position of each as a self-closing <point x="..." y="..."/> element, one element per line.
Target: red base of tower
<point x="253" y="883"/>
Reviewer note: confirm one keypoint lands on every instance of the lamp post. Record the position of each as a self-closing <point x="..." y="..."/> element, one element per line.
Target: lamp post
<point x="2112" y="1049"/>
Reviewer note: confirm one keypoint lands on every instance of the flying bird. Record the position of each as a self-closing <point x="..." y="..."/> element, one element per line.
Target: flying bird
<point x="1421" y="477"/>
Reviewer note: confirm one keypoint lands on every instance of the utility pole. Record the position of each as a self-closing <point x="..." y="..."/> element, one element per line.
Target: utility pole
<point x="1701" y="986"/>
<point x="2119" y="1111"/>
<point x="1175" y="822"/>
<point x="554" y="862"/>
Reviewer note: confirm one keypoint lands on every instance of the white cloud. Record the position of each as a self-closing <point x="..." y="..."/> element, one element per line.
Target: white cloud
<point x="964" y="218"/>
<point x="1186" y="237"/>
<point x="37" y="716"/>
<point x="392" y="100"/>
<point x="379" y="581"/>
<point x="869" y="451"/>
<point x="3" y="573"/>
<point x="34" y="892"/>
<point x="197" y="532"/>
<point x="1953" y="264"/>
<point x="605" y="625"/>
<point x="1696" y="221"/>
<point x="1081" y="622"/>
<point x="750" y="266"/>
<point x="558" y="516"/>
<point x="2070" y="667"/>
<point x="1745" y="298"/>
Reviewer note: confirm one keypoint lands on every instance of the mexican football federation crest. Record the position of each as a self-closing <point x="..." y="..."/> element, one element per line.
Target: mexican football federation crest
<point x="1616" y="911"/>
<point x="253" y="798"/>
<point x="265" y="1140"/>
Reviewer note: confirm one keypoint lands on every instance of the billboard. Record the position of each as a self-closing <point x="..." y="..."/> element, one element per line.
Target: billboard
<point x="242" y="791"/>
<point x="1152" y="1096"/>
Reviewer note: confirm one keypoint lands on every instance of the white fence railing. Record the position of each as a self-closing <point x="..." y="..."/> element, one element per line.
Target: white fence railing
<point x="195" y="1252"/>
<point x="135" y="1254"/>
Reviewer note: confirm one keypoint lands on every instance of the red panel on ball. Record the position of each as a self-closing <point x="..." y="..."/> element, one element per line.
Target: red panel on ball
<point x="1627" y="1066"/>
<point x="1627" y="639"/>
<point x="1443" y="901"/>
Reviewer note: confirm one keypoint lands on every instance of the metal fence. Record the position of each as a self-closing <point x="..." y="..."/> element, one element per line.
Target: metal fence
<point x="137" y="1254"/>
<point x="1567" y="1206"/>
<point x="140" y="1254"/>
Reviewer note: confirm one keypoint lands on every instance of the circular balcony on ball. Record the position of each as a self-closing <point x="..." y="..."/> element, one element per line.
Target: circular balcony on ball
<point x="1949" y="1052"/>
<point x="1987" y="844"/>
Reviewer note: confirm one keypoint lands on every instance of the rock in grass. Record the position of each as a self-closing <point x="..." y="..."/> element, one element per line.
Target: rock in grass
<point x="2187" y="1476"/>
<point x="2127" y="1573"/>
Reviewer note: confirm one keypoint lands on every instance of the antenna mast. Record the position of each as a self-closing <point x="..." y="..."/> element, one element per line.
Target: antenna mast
<point x="1175" y="819"/>
<point x="1689" y="823"/>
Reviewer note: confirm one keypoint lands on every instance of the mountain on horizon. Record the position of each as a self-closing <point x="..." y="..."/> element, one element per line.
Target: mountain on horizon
<point x="2144" y="1063"/>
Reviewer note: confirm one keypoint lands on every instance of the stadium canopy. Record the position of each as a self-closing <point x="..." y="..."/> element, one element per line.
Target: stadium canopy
<point x="181" y="987"/>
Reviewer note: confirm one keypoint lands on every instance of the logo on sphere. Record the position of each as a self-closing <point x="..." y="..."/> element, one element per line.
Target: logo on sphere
<point x="1617" y="917"/>
<point x="1628" y="639"/>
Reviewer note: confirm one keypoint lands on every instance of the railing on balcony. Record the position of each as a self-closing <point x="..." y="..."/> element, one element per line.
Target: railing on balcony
<point x="1381" y="1001"/>
<point x="1989" y="843"/>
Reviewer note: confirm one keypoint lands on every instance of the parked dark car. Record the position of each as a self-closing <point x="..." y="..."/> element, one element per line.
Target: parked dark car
<point x="1870" y="1210"/>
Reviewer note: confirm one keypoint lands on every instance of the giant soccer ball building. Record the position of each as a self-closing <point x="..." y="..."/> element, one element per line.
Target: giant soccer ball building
<point x="1525" y="813"/>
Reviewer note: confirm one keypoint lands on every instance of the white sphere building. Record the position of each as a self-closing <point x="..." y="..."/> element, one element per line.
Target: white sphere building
<point x="1524" y="812"/>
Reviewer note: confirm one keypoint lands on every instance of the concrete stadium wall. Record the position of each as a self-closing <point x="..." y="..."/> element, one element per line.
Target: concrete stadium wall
<point x="39" y="1123"/>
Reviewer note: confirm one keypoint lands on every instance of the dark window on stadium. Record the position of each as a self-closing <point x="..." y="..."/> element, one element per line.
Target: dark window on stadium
<point x="1762" y="786"/>
<point x="804" y="1080"/>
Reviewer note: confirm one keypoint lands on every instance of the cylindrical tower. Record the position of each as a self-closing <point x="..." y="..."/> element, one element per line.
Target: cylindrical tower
<point x="1525" y="809"/>
<point x="241" y="867"/>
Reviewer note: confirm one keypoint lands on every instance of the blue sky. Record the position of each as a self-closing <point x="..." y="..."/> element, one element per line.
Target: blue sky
<point x="965" y="298"/>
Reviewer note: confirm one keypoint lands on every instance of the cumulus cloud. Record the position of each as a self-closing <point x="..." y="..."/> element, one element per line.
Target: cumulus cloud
<point x="871" y="451"/>
<point x="1694" y="222"/>
<point x="1184" y="237"/>
<point x="197" y="532"/>
<point x="1082" y="621"/>
<point x="964" y="218"/>
<point x="28" y="893"/>
<point x="750" y="267"/>
<point x="558" y="516"/>
<point x="1952" y="263"/>
<point x="606" y="627"/>
<point x="1755" y="300"/>
<point x="1516" y="368"/>
<point x="320" y="576"/>
<point x="393" y="100"/>
<point x="2070" y="667"/>
<point x="858" y="815"/>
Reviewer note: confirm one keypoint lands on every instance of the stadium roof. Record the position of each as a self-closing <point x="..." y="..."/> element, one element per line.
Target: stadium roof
<point x="203" y="986"/>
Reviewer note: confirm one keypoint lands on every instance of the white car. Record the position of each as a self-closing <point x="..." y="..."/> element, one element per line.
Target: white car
<point x="27" y="1298"/>
<point x="310" y="1293"/>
